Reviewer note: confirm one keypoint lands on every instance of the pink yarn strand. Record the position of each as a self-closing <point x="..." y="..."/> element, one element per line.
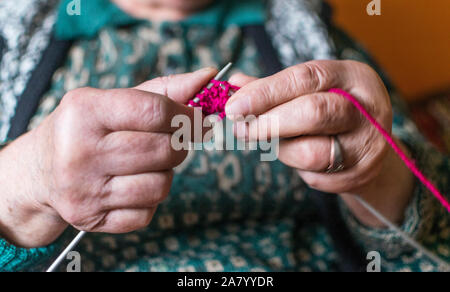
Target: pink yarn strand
<point x="408" y="162"/>
<point x="213" y="100"/>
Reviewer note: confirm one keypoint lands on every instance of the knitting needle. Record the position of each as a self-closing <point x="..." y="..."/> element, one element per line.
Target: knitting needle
<point x="221" y="74"/>
<point x="80" y="235"/>
<point x="412" y="242"/>
<point x="68" y="249"/>
<point x="218" y="77"/>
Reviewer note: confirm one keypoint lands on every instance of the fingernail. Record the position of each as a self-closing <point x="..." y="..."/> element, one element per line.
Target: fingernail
<point x="237" y="107"/>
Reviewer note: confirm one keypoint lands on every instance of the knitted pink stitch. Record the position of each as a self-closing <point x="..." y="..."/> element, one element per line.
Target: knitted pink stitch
<point x="212" y="100"/>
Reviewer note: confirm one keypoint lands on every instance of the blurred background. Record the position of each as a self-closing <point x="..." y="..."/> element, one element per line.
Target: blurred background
<point x="411" y="41"/>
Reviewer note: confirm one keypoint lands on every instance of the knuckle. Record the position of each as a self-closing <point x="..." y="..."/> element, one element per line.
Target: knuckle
<point x="165" y="146"/>
<point x="71" y="114"/>
<point x="75" y="216"/>
<point x="82" y="216"/>
<point x="347" y="107"/>
<point x="154" y="111"/>
<point x="164" y="183"/>
<point x="313" y="158"/>
<point x="363" y="71"/>
<point x="165" y="141"/>
<point x="77" y="205"/>
<point x="260" y="95"/>
<point x="76" y="97"/>
<point x="315" y="75"/>
<point x="70" y="97"/>
<point x="363" y="67"/>
<point x="72" y="217"/>
<point x="313" y="182"/>
<point x="303" y="75"/>
<point x="141" y="221"/>
<point x="169" y="79"/>
<point x="297" y="77"/>
<point x="324" y="109"/>
<point x="68" y="163"/>
<point x="154" y="191"/>
<point x="316" y="109"/>
<point x="164" y="82"/>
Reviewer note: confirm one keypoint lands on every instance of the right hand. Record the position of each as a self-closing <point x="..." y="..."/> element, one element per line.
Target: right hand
<point x="101" y="162"/>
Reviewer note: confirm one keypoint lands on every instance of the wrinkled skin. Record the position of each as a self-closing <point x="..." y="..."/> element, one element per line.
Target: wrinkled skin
<point x="102" y="160"/>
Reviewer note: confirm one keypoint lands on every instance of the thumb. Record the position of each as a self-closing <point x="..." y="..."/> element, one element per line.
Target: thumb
<point x="181" y="87"/>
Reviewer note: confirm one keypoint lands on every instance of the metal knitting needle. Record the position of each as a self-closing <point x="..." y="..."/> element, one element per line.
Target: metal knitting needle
<point x="221" y="74"/>
<point x="68" y="249"/>
<point x="80" y="235"/>
<point x="218" y="77"/>
<point x="441" y="264"/>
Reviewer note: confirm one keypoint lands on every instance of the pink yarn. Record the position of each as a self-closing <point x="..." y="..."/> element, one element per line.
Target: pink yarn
<point x="408" y="162"/>
<point x="213" y="100"/>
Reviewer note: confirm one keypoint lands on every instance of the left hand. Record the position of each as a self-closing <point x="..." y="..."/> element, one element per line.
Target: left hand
<point x="309" y="116"/>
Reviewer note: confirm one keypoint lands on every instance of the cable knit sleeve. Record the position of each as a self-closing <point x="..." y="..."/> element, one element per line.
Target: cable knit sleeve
<point x="425" y="219"/>
<point x="14" y="259"/>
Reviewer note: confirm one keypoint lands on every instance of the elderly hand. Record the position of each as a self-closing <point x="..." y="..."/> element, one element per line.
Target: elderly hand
<point x="311" y="119"/>
<point x="101" y="162"/>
